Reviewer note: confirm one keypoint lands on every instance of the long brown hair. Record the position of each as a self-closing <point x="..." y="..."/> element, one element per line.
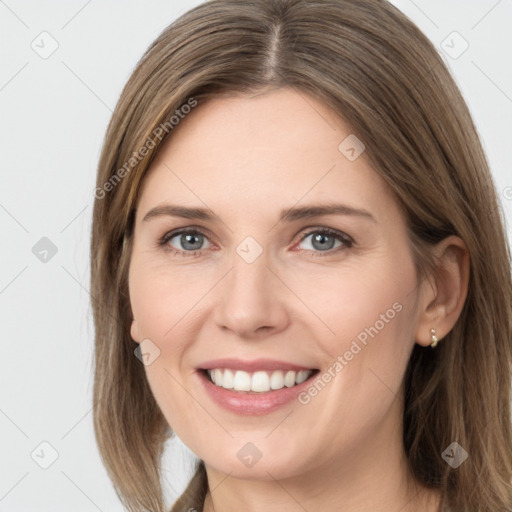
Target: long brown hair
<point x="370" y="64"/>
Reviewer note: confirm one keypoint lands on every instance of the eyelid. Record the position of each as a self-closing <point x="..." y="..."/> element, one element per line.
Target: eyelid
<point x="169" y="235"/>
<point x="347" y="240"/>
<point x="331" y="231"/>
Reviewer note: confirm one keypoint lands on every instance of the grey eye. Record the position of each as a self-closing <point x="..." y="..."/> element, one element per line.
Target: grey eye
<point x="189" y="241"/>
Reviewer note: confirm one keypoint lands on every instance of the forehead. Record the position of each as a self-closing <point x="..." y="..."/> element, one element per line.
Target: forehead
<point x="248" y="153"/>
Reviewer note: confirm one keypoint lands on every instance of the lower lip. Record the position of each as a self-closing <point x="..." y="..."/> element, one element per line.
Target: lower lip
<point x="251" y="403"/>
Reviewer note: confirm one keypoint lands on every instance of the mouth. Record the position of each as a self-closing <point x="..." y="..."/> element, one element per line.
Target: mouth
<point x="255" y="388"/>
<point x="260" y="381"/>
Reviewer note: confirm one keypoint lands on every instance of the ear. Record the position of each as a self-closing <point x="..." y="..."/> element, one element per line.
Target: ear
<point x="134" y="332"/>
<point x="444" y="294"/>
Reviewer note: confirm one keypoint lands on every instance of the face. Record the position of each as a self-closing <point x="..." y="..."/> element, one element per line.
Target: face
<point x="269" y="289"/>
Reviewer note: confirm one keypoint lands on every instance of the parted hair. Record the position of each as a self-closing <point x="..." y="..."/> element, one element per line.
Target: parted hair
<point x="369" y="64"/>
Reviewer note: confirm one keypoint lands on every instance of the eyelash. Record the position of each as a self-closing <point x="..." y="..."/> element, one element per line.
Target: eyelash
<point x="346" y="240"/>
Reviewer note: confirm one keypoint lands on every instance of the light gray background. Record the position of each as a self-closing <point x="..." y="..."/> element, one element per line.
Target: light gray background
<point x="53" y="116"/>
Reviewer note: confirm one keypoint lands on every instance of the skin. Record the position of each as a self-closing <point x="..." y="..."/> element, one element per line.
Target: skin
<point x="246" y="158"/>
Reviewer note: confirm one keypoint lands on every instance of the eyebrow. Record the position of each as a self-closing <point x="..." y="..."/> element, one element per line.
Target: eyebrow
<point x="289" y="214"/>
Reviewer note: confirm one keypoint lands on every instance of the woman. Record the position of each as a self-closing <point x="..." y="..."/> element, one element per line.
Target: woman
<point x="338" y="335"/>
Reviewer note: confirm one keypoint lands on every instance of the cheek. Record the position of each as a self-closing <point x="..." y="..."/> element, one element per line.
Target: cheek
<point x="366" y="303"/>
<point x="373" y="320"/>
<point x="370" y="315"/>
<point x="164" y="302"/>
<point x="160" y="316"/>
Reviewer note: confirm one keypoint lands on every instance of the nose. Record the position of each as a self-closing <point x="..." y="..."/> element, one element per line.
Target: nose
<point x="252" y="300"/>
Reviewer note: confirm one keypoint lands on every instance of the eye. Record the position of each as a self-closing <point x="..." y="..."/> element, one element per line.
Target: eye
<point x="324" y="240"/>
<point x="190" y="242"/>
<point x="185" y="242"/>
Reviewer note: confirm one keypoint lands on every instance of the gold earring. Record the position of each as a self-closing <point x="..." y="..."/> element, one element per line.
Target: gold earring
<point x="434" y="338"/>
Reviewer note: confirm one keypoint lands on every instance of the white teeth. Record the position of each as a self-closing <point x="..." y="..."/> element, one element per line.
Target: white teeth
<point x="289" y="379"/>
<point x="242" y="381"/>
<point x="259" y="382"/>
<point x="217" y="377"/>
<point x="277" y="380"/>
<point x="228" y="379"/>
<point x="302" y="375"/>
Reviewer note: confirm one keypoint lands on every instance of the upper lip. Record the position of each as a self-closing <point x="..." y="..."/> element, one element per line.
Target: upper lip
<point x="253" y="365"/>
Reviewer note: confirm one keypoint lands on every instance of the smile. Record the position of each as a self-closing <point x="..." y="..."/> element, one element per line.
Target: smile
<point x="260" y="381"/>
<point x="253" y="388"/>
